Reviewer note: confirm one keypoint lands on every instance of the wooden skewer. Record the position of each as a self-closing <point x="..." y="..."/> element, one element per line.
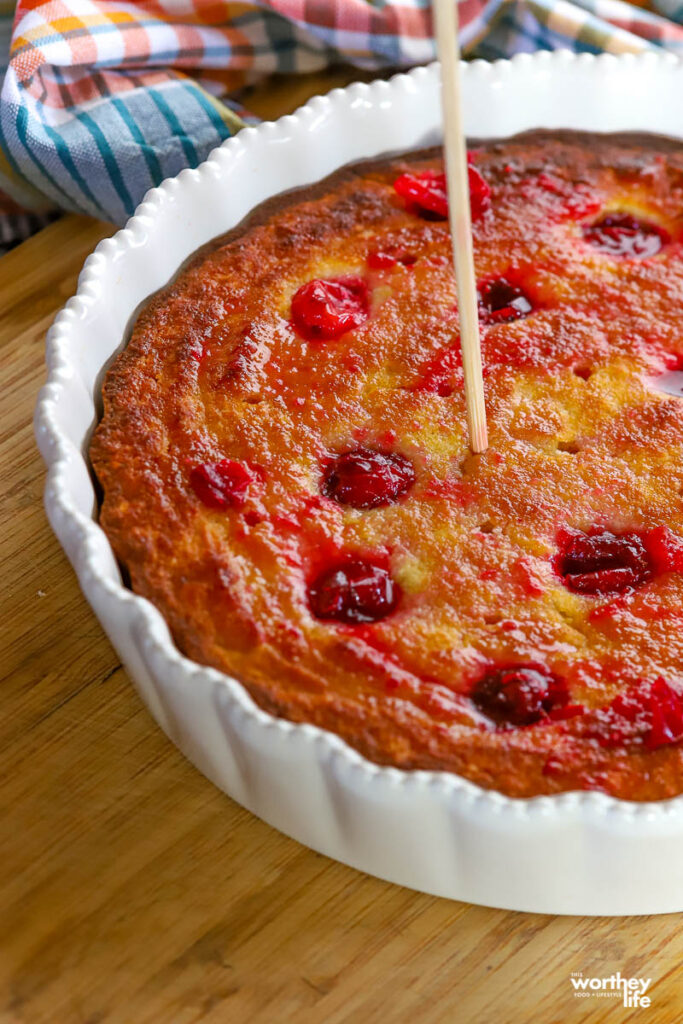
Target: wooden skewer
<point x="448" y="48"/>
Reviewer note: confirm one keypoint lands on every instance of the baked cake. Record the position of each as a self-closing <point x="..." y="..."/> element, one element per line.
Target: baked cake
<point x="286" y="473"/>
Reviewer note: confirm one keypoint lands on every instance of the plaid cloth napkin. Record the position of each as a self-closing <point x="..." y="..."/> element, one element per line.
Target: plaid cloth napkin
<point x="102" y="99"/>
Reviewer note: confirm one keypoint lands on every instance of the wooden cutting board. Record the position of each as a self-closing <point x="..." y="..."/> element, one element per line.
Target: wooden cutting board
<point x="133" y="891"/>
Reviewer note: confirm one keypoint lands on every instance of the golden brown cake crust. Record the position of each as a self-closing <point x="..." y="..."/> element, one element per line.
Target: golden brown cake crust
<point x="581" y="439"/>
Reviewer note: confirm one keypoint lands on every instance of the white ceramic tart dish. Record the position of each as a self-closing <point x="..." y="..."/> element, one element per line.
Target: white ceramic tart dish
<point x="576" y="853"/>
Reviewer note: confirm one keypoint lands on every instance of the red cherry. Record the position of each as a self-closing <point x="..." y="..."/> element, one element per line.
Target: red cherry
<point x="521" y="695"/>
<point x="365" y="479"/>
<point x="354" y="591"/>
<point x="426" y="193"/>
<point x="601" y="562"/>
<point x="501" y="302"/>
<point x="221" y="484"/>
<point x="620" y="234"/>
<point x="325" y="309"/>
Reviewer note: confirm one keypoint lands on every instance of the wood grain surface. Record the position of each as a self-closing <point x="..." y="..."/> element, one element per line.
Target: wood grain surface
<point x="133" y="892"/>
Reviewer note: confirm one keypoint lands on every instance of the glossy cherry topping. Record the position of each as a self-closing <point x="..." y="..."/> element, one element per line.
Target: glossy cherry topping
<point x="221" y="484"/>
<point x="354" y="591"/>
<point x="500" y="302"/>
<point x="325" y="309"/>
<point x="601" y="562"/>
<point x="652" y="715"/>
<point x="364" y="478"/>
<point x="520" y="695"/>
<point x="621" y="234"/>
<point x="426" y="193"/>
